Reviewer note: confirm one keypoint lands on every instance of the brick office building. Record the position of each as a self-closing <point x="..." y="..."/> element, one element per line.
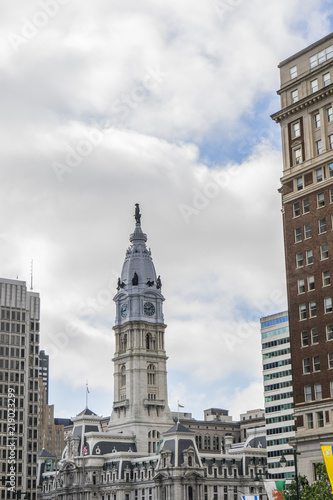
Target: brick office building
<point x="306" y="119"/>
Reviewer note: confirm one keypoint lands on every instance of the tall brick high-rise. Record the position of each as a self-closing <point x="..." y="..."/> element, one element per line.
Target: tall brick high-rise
<point x="306" y="119"/>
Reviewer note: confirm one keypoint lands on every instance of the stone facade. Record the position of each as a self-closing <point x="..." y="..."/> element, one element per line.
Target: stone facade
<point x="306" y="119"/>
<point x="141" y="453"/>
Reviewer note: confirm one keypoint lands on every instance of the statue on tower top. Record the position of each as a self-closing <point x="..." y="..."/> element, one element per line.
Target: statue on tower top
<point x="137" y="214"/>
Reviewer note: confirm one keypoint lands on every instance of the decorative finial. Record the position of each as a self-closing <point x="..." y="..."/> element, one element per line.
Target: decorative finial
<point x="137" y="214"/>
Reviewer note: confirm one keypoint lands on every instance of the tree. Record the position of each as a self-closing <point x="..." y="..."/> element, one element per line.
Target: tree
<point x="319" y="490"/>
<point x="291" y="491"/>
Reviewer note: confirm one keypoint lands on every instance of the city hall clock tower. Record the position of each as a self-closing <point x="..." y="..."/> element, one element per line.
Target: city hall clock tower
<point x="140" y="375"/>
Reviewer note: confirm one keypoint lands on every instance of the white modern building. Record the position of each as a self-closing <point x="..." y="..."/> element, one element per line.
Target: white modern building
<point x="278" y="389"/>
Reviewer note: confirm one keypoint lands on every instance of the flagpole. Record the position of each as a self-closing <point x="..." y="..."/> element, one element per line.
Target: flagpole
<point x="178" y="411"/>
<point x="87" y="392"/>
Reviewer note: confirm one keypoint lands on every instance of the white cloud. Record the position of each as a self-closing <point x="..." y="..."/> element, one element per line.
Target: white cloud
<point x="125" y="97"/>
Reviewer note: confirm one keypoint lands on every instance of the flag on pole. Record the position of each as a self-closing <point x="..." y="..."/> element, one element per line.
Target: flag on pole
<point x="327" y="452"/>
<point x="275" y="490"/>
<point x="84" y="450"/>
<point x="250" y="497"/>
<point x="180" y="406"/>
<point x="87" y="388"/>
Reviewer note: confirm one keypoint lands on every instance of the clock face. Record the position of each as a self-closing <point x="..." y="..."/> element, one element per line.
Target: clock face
<point x="123" y="310"/>
<point x="149" y="308"/>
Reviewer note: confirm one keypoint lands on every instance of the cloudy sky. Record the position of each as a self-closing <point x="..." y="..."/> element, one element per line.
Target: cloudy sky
<point x="106" y="104"/>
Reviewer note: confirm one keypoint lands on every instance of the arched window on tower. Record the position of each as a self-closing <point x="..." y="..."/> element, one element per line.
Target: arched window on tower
<point x="198" y="441"/>
<point x="153" y="440"/>
<point x="123" y="342"/>
<point x="207" y="442"/>
<point x="123" y="376"/>
<point x="150" y="342"/>
<point x="151" y="374"/>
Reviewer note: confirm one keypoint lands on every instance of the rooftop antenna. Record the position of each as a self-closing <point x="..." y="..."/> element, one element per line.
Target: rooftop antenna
<point x="31" y="274"/>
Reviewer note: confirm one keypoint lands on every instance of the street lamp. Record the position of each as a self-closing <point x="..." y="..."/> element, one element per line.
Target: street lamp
<point x="283" y="463"/>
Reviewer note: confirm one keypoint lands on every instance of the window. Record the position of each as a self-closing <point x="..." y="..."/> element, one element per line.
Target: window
<point x="307" y="231"/>
<point x="317" y="120"/>
<point x="301" y="285"/>
<point x="314" y="336"/>
<point x="324" y="251"/>
<point x="328" y="304"/>
<point x="298" y="234"/>
<point x="311" y="283"/>
<point x="314" y="85"/>
<point x="326" y="278"/>
<point x="320" y="200"/>
<point x="321" y="56"/>
<point x="293" y="72"/>
<point x="151" y="374"/>
<point x="319" y="174"/>
<point x="326" y="79"/>
<point x="294" y="96"/>
<point x="318" y="393"/>
<point x="123" y="376"/>
<point x="316" y="363"/>
<point x="307" y="393"/>
<point x="322" y="225"/>
<point x="296" y="129"/>
<point x="297" y="209"/>
<point x="299" y="259"/>
<point x="313" y="309"/>
<point x="309" y="420"/>
<point x="320" y="418"/>
<point x="330" y="169"/>
<point x="309" y="257"/>
<point x="298" y="158"/>
<point x="305" y="339"/>
<point x="306" y="205"/>
<point x="330" y="140"/>
<point x="329" y="112"/>
<point x="331" y="195"/>
<point x="331" y="388"/>
<point x="302" y="311"/>
<point x="299" y="182"/>
<point x="330" y="360"/>
<point x="329" y="332"/>
<point x="318" y="147"/>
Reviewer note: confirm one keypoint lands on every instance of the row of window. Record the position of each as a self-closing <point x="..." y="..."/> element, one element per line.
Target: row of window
<point x="306" y="362"/>
<point x="282" y="407"/>
<point x="306" y="179"/>
<point x="309" y="284"/>
<point x="276" y="364"/>
<point x="271" y="376"/>
<point x="311" y="310"/>
<point x="319" y="146"/>
<point x="280" y="385"/>
<point x="281" y="418"/>
<point x="274" y="354"/>
<point x="319" y="58"/>
<point x="274" y="343"/>
<point x="309" y="256"/>
<point x="315" y="420"/>
<point x="15" y="315"/>
<point x="277" y="397"/>
<point x="315" y="84"/>
<point x="280" y="430"/>
<point x="304" y="207"/>
<point x="322" y="228"/>
<point x="310" y="395"/>
<point x="296" y="126"/>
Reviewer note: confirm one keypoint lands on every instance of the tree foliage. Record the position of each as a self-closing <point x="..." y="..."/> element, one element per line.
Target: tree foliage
<point x="319" y="490"/>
